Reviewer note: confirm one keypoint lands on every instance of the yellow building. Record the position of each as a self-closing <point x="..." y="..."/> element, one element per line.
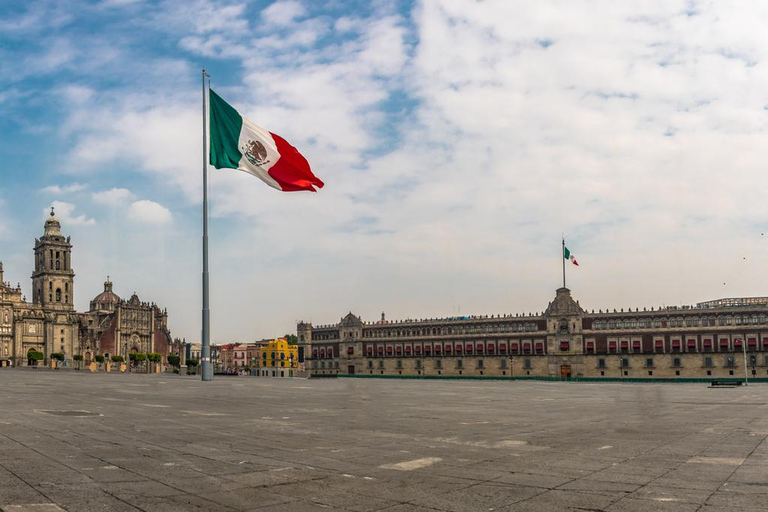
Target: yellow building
<point x="278" y="358"/>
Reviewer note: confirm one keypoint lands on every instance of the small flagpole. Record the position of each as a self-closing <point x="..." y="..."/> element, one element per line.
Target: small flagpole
<point x="207" y="370"/>
<point x="563" y="258"/>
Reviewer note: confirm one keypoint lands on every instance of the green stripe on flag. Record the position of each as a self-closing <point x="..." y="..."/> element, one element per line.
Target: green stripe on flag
<point x="566" y="253"/>
<point x="226" y="124"/>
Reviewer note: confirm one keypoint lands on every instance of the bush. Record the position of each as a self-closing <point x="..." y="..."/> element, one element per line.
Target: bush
<point x="117" y="359"/>
<point x="192" y="362"/>
<point x="57" y="356"/>
<point x="77" y="357"/>
<point x="99" y="359"/>
<point x="154" y="357"/>
<point x="173" y="360"/>
<point x="140" y="357"/>
<point x="36" y="355"/>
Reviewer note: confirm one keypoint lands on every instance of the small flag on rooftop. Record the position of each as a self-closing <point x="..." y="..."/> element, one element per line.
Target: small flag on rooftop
<point x="570" y="257"/>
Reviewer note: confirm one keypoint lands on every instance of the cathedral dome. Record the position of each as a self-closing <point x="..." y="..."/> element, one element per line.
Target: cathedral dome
<point x="52" y="225"/>
<point x="106" y="300"/>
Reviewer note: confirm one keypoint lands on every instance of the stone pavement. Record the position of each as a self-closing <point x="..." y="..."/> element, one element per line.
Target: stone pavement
<point x="94" y="442"/>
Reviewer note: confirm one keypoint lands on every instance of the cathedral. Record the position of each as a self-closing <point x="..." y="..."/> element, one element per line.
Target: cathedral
<point x="50" y="324"/>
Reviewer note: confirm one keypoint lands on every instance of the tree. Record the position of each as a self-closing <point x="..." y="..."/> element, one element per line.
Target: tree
<point x="99" y="359"/>
<point x="77" y="357"/>
<point x="292" y="339"/>
<point x="140" y="357"/>
<point x="117" y="359"/>
<point x="154" y="357"/>
<point x="192" y="362"/>
<point x="173" y="360"/>
<point x="35" y="355"/>
<point x="57" y="356"/>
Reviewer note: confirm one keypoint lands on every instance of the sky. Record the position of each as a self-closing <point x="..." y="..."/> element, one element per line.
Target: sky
<point x="459" y="140"/>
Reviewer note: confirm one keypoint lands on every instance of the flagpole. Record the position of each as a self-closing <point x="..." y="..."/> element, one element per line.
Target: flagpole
<point x="207" y="370"/>
<point x="563" y="258"/>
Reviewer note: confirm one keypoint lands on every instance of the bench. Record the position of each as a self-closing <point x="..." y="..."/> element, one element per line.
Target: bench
<point x="725" y="383"/>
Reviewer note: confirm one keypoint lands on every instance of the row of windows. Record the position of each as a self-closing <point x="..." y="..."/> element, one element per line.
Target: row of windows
<point x="691" y="345"/>
<point x="458" y="329"/>
<point x="435" y="331"/>
<point x="707" y="362"/>
<point x="647" y="323"/>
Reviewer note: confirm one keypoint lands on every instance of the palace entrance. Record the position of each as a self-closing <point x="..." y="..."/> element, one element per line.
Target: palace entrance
<point x="565" y="371"/>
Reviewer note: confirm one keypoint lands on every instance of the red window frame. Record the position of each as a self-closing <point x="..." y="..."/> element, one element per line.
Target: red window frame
<point x="350" y="350"/>
<point x="503" y="348"/>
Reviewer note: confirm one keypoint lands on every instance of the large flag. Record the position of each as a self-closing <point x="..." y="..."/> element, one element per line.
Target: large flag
<point x="237" y="143"/>
<point x="567" y="255"/>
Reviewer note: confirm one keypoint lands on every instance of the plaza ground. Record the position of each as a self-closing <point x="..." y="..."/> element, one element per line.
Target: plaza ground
<point x="94" y="442"/>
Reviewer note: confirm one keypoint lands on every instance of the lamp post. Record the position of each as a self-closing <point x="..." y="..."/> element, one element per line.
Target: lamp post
<point x="744" y="349"/>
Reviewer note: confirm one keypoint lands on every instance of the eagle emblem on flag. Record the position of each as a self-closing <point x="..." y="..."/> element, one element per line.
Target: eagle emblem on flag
<point x="255" y="152"/>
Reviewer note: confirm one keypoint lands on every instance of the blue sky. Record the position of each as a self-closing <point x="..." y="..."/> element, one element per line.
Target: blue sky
<point x="457" y="139"/>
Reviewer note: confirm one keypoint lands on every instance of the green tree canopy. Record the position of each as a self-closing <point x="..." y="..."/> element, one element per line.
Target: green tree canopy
<point x="192" y="362"/>
<point x="99" y="359"/>
<point x="117" y="359"/>
<point x="173" y="359"/>
<point x="57" y="356"/>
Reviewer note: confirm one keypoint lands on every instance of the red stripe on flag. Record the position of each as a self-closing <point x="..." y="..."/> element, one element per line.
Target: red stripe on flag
<point x="292" y="171"/>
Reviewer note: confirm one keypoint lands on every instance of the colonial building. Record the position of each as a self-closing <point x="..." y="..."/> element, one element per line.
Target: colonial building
<point x="49" y="323"/>
<point x="710" y="340"/>
<point x="277" y="358"/>
<point x="117" y="327"/>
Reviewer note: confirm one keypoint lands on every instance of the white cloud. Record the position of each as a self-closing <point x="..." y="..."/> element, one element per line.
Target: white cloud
<point x="64" y="189"/>
<point x="149" y="212"/>
<point x="65" y="212"/>
<point x="283" y="12"/>
<point x="112" y="196"/>
<point x="454" y="163"/>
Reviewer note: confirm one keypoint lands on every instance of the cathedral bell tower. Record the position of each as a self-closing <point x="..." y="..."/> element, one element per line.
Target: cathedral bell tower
<point x="53" y="278"/>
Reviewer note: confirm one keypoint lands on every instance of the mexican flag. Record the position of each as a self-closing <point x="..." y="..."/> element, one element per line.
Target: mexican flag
<point x="567" y="255"/>
<point x="237" y="143"/>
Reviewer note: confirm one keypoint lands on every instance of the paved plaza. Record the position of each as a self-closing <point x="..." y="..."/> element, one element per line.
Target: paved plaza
<point x="101" y="442"/>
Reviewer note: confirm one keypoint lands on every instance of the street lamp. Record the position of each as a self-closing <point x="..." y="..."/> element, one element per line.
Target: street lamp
<point x="744" y="349"/>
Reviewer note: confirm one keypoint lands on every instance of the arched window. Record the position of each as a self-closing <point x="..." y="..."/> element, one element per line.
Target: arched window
<point x="58" y="265"/>
<point x="58" y="294"/>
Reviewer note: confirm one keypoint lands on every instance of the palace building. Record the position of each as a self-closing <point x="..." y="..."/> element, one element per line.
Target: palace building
<point x="710" y="340"/>
<point x="50" y="324"/>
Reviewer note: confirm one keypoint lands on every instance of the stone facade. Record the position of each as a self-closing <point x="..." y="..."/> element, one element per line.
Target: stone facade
<point x="710" y="340"/>
<point x="50" y="323"/>
<point x="117" y="327"/>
